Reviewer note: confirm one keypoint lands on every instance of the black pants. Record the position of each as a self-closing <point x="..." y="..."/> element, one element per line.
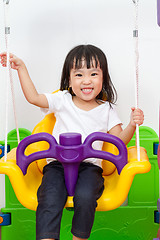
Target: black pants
<point x="52" y="196"/>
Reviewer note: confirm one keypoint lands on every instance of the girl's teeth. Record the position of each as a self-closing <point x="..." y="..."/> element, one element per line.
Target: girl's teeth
<point x="86" y="89"/>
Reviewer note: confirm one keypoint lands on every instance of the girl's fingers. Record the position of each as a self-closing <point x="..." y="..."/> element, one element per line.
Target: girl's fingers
<point x="4" y="55"/>
<point x="137" y="116"/>
<point x="139" y="119"/>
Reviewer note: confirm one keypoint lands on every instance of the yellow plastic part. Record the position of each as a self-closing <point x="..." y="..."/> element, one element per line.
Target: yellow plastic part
<point x="116" y="186"/>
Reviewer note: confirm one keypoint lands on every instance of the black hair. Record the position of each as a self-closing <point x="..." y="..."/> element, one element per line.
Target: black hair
<point x="93" y="56"/>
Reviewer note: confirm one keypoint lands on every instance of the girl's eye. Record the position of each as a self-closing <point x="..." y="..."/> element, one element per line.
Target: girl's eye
<point x="78" y="75"/>
<point x="94" y="74"/>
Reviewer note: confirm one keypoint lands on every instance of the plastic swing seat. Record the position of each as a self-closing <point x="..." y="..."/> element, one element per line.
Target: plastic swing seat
<point x="116" y="186"/>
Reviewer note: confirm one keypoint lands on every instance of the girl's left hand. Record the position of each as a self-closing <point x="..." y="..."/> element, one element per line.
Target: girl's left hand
<point x="137" y="116"/>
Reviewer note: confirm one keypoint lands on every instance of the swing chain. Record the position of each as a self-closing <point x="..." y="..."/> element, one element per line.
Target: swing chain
<point x="135" y="1"/>
<point x="7" y="30"/>
<point x="6" y="1"/>
<point x="135" y="32"/>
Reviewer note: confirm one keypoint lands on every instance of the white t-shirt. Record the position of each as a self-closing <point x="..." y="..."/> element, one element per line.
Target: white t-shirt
<point x="70" y="118"/>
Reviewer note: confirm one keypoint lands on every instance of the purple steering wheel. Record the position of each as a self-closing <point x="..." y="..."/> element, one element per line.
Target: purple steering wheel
<point x="71" y="152"/>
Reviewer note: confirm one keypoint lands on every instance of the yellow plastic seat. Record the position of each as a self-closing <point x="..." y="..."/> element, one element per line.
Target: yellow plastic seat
<point x="116" y="186"/>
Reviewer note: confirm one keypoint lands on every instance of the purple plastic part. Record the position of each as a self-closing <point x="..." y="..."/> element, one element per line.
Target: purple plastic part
<point x="71" y="152"/>
<point x="70" y="139"/>
<point x="158" y="12"/>
<point x="23" y="161"/>
<point x="119" y="160"/>
<point x="158" y="154"/>
<point x="158" y="205"/>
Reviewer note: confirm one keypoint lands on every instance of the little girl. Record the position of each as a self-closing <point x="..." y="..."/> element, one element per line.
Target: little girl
<point x="84" y="105"/>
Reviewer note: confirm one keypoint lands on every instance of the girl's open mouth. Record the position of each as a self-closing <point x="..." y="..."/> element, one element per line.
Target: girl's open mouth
<point x="87" y="90"/>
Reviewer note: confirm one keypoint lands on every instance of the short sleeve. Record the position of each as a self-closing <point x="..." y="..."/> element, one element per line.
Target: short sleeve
<point x="54" y="101"/>
<point x="113" y="118"/>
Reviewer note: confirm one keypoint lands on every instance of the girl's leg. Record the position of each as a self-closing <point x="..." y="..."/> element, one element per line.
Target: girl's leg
<point x="52" y="196"/>
<point x="75" y="238"/>
<point x="89" y="188"/>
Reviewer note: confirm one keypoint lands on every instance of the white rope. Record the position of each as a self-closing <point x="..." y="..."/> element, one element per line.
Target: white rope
<point x="135" y="35"/>
<point x="6" y="6"/>
<point x="9" y="76"/>
<point x="14" y="104"/>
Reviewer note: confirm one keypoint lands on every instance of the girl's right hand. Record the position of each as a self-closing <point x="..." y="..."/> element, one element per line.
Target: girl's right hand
<point x="15" y="62"/>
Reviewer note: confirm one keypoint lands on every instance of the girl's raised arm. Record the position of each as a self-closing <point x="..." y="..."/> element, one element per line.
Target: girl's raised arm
<point x="27" y="85"/>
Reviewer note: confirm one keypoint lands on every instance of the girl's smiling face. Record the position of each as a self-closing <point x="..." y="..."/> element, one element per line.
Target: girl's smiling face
<point x="86" y="82"/>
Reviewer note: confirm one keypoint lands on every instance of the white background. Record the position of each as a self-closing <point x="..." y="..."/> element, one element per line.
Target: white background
<point x="42" y="33"/>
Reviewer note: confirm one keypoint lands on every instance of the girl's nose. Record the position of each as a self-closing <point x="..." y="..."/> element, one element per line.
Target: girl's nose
<point x="86" y="80"/>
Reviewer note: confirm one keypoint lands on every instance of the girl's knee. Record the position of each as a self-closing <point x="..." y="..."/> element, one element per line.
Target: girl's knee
<point x="85" y="199"/>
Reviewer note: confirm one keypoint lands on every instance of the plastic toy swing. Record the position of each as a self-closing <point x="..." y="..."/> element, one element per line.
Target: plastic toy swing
<point x="117" y="185"/>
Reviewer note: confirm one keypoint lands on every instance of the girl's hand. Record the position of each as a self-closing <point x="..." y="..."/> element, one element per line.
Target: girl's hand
<point x="137" y="117"/>
<point x="15" y="62"/>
